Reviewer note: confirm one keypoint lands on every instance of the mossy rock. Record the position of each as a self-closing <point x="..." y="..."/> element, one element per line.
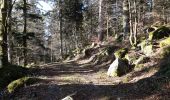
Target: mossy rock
<point x="160" y="33"/>
<point x="146" y="47"/>
<point x="118" y="68"/>
<point x="131" y="58"/>
<point x="148" y="50"/>
<point x="165" y="51"/>
<point x="20" y="83"/>
<point x="11" y="72"/>
<point x="121" y="53"/>
<point x="164" y="42"/>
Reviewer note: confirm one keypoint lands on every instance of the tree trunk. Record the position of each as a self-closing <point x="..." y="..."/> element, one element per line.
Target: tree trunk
<point x="3" y="33"/>
<point x="61" y="31"/>
<point x="130" y="24"/>
<point x="9" y="35"/>
<point x="125" y="17"/>
<point x="100" y="34"/>
<point x="135" y="24"/>
<point x="25" y="33"/>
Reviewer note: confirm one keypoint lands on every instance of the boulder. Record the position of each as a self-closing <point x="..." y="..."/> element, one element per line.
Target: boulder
<point x="159" y="33"/>
<point x="146" y="47"/>
<point x="148" y="50"/>
<point x="118" y="68"/>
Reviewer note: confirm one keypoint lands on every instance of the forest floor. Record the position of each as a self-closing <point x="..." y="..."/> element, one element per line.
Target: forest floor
<point x="87" y="82"/>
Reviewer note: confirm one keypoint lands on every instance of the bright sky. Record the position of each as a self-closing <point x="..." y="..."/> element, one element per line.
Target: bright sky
<point x="44" y="6"/>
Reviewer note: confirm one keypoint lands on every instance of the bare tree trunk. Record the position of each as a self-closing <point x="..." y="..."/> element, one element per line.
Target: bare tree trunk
<point x="125" y="17"/>
<point x="91" y="21"/>
<point x="25" y="33"/>
<point x="51" y="52"/>
<point x="131" y="25"/>
<point x="9" y="35"/>
<point x="100" y="34"/>
<point x="61" y="31"/>
<point x="3" y="33"/>
<point x="135" y="24"/>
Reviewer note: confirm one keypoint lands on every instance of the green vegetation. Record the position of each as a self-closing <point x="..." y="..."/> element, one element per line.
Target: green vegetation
<point x="121" y="53"/>
<point x="165" y="42"/>
<point x="10" y="73"/>
<point x="20" y="83"/>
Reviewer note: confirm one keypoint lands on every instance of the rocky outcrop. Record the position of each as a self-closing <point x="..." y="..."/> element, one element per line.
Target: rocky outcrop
<point x="159" y="33"/>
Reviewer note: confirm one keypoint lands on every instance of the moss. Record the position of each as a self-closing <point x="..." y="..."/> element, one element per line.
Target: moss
<point x="10" y="73"/>
<point x="165" y="42"/>
<point x="126" y="79"/>
<point x="151" y="35"/>
<point x="20" y="83"/>
<point x="165" y="52"/>
<point x="121" y="53"/>
<point x="160" y="33"/>
<point x="139" y="66"/>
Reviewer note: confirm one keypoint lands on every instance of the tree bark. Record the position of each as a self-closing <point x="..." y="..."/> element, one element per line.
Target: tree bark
<point x="25" y="33"/>
<point x="135" y="25"/>
<point x="100" y="34"/>
<point x="61" y="31"/>
<point x="125" y="17"/>
<point x="3" y="33"/>
<point x="9" y="35"/>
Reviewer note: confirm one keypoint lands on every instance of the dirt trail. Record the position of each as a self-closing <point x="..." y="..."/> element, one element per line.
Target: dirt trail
<point x="83" y="82"/>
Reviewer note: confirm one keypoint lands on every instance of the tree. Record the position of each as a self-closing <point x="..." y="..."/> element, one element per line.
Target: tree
<point x="100" y="34"/>
<point x="61" y="26"/>
<point x="25" y="32"/>
<point x="3" y="32"/>
<point x="125" y="17"/>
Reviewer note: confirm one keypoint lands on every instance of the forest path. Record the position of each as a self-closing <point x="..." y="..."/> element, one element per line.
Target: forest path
<point x="83" y="82"/>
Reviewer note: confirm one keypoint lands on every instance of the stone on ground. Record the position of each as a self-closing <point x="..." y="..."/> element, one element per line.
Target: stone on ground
<point x="118" y="68"/>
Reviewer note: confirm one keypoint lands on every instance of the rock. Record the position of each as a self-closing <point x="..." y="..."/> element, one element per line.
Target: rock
<point x="118" y="68"/>
<point x="68" y="98"/>
<point x="159" y="33"/>
<point x="146" y="47"/>
<point x="121" y="53"/>
<point x="165" y="51"/>
<point x="148" y="50"/>
<point x="164" y="42"/>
